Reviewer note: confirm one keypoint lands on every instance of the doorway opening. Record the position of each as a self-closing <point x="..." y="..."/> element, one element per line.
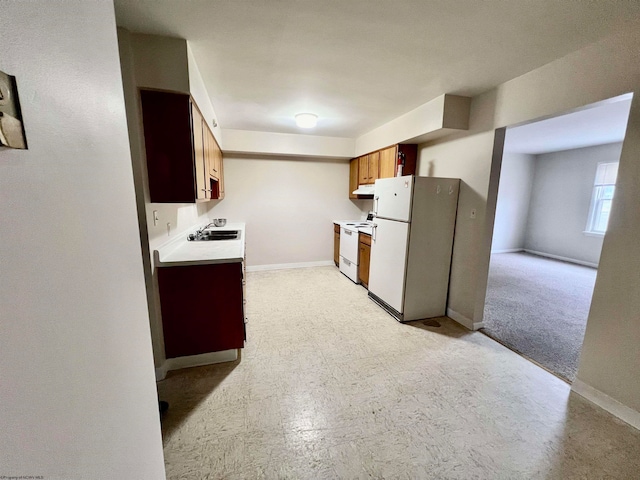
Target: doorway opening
<point x="556" y="184"/>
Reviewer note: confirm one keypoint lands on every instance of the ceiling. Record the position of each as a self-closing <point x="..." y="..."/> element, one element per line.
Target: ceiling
<point x="361" y="63"/>
<point x="604" y="123"/>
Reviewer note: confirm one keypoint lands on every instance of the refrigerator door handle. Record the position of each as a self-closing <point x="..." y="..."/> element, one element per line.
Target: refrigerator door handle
<point x="374" y="229"/>
<point x="375" y="205"/>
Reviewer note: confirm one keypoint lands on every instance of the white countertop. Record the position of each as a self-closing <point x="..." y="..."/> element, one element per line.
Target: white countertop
<point x="179" y="251"/>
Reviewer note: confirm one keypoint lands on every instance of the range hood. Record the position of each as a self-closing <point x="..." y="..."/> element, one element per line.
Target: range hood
<point x="364" y="190"/>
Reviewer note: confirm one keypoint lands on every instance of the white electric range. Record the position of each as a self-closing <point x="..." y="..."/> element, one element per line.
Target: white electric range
<point x="349" y="246"/>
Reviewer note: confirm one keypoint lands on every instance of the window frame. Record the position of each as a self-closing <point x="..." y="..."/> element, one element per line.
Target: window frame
<point x="598" y="198"/>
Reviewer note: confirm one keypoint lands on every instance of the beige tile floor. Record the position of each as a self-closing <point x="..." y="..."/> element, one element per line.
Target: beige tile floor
<point x="330" y="386"/>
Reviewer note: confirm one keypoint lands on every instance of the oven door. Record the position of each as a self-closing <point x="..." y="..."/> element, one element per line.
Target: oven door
<point x="349" y="245"/>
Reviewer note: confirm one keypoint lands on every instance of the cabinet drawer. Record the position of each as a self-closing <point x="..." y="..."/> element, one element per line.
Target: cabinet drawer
<point x="366" y="239"/>
<point x="350" y="269"/>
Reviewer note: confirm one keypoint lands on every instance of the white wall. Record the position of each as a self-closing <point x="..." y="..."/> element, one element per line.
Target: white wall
<point x="560" y="201"/>
<point x="514" y="195"/>
<point x="289" y="205"/>
<point x="77" y="396"/>
<point x="605" y="69"/>
<point x="160" y="62"/>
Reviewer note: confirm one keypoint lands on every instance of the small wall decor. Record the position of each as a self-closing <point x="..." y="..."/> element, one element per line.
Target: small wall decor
<point x="11" y="128"/>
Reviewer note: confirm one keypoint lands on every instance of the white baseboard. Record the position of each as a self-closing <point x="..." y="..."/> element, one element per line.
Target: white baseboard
<point x="161" y="371"/>
<point x="464" y="321"/>
<point x="195" y="361"/>
<point x="564" y="259"/>
<point x="284" y="266"/>
<point x="614" y="407"/>
<point x="508" y="250"/>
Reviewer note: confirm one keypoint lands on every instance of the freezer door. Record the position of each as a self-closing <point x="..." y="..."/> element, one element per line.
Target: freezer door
<point x="392" y="199"/>
<point x="388" y="261"/>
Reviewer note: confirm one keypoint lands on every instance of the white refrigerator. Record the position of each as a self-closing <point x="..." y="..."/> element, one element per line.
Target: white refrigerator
<point x="411" y="245"/>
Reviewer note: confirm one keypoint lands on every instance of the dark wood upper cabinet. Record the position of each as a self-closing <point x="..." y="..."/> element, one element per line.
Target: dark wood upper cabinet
<point x="169" y="145"/>
<point x="179" y="147"/>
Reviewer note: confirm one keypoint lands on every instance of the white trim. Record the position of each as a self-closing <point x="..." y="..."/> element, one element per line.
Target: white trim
<point x="284" y="266"/>
<point x="508" y="250"/>
<point x="161" y="371"/>
<point x="564" y="259"/>
<point x="614" y="407"/>
<point x="593" y="234"/>
<point x="195" y="361"/>
<point x="464" y="321"/>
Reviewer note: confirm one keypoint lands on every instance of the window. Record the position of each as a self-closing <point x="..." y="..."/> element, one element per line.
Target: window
<point x="604" y="187"/>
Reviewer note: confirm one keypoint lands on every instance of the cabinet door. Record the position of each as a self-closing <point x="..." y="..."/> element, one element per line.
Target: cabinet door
<point x="372" y="167"/>
<point x="221" y="179"/>
<point x="202" y="308"/>
<point x="363" y="170"/>
<point x="199" y="149"/>
<point x="353" y="177"/>
<point x="214" y="150"/>
<point x="388" y="162"/>
<point x="167" y="122"/>
<point x="336" y="247"/>
<point x="363" y="267"/>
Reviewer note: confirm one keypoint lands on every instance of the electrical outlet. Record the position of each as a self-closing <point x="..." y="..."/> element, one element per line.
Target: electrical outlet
<point x="155" y="218"/>
<point x="473" y="213"/>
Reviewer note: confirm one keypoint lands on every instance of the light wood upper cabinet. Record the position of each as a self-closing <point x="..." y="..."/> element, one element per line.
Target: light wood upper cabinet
<point x="368" y="168"/>
<point x="408" y="154"/>
<point x="363" y="170"/>
<point x="212" y="154"/>
<point x="388" y="160"/>
<point x="373" y="160"/>
<point x="353" y="177"/>
<point x="221" y="173"/>
<point x="200" y="158"/>
<point x="215" y="166"/>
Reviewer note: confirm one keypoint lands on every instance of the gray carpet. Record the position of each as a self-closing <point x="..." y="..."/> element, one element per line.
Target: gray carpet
<point x="539" y="307"/>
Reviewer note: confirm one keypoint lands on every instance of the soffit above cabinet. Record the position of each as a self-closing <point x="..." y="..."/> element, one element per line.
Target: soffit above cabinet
<point x="442" y="116"/>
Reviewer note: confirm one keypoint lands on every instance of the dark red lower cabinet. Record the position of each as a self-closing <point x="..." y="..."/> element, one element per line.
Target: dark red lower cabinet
<point x="202" y="308"/>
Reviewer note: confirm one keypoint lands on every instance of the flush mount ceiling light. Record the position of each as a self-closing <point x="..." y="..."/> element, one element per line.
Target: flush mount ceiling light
<point x="306" y="120"/>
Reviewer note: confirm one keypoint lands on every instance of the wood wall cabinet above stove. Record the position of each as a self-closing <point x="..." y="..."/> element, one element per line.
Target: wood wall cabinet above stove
<point x="184" y="161"/>
<point x="366" y="169"/>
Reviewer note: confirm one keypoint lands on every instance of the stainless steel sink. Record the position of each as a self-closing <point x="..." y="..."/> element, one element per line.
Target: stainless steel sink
<point x="214" y="235"/>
